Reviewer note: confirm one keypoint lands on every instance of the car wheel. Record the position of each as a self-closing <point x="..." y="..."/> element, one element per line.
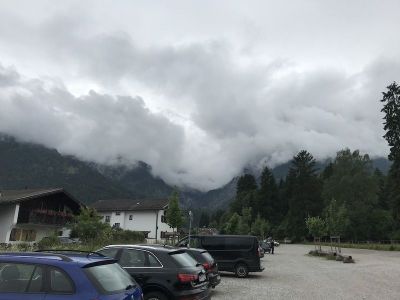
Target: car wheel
<point x="241" y="270"/>
<point x="155" y="296"/>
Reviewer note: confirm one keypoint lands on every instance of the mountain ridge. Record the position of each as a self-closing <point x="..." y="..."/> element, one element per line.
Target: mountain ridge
<point x="24" y="165"/>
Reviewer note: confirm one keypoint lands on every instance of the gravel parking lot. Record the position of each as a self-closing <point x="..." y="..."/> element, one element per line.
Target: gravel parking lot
<point x="290" y="274"/>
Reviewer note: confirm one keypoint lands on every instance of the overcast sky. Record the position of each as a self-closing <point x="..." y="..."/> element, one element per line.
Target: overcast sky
<point x="197" y="89"/>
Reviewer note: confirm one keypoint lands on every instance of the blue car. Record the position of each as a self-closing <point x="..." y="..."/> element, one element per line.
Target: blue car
<point x="56" y="276"/>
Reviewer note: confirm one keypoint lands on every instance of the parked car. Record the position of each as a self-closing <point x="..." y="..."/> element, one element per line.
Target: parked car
<point x="55" y="276"/>
<point x="233" y="253"/>
<point x="162" y="272"/>
<point x="210" y="265"/>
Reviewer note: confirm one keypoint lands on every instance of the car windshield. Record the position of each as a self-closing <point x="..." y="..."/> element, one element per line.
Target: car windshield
<point x="110" y="278"/>
<point x="183" y="259"/>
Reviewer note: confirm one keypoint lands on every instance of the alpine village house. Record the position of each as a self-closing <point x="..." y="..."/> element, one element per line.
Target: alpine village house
<point x="147" y="216"/>
<point x="32" y="214"/>
<point x="29" y="215"/>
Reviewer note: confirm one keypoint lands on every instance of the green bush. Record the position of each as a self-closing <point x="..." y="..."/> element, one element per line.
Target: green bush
<point x="49" y="243"/>
<point x="24" y="247"/>
<point x="119" y="236"/>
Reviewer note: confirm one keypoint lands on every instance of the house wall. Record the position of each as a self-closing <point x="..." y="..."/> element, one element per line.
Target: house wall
<point x="141" y="221"/>
<point x="8" y="218"/>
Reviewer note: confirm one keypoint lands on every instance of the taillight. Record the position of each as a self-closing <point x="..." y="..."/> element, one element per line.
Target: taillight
<point x="187" y="277"/>
<point x="207" y="266"/>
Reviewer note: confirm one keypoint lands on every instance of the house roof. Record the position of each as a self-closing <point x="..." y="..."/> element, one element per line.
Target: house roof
<point x="130" y="204"/>
<point x="17" y="196"/>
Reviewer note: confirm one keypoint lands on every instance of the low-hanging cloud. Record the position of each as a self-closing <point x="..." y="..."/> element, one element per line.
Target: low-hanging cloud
<point x="95" y="127"/>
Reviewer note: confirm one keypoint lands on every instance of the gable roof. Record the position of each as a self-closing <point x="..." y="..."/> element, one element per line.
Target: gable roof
<point x="130" y="204"/>
<point x="17" y="196"/>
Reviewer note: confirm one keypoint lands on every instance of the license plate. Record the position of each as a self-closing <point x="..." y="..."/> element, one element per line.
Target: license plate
<point x="202" y="277"/>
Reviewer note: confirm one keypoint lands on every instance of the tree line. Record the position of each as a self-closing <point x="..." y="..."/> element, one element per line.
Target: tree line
<point x="355" y="200"/>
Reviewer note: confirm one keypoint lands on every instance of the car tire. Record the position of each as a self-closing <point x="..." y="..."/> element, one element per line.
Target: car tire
<point x="241" y="270"/>
<point x="155" y="296"/>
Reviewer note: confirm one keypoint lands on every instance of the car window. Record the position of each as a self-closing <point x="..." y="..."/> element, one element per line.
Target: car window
<point x="60" y="283"/>
<point x="110" y="278"/>
<point x="236" y="243"/>
<point x="207" y="256"/>
<point x="152" y="260"/>
<point x="132" y="258"/>
<point x="36" y="283"/>
<point x="213" y="243"/>
<point x="20" y="278"/>
<point x="109" y="252"/>
<point x="183" y="259"/>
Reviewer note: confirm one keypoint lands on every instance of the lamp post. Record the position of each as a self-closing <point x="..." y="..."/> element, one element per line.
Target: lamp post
<point x="190" y="226"/>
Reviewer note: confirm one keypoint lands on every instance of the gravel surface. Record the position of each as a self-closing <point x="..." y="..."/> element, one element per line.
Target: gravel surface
<point x="291" y="274"/>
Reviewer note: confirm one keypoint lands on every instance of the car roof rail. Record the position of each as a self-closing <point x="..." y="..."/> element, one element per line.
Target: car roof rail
<point x="38" y="253"/>
<point x="88" y="253"/>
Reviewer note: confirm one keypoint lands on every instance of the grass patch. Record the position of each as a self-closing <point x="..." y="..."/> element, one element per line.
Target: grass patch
<point x="368" y="246"/>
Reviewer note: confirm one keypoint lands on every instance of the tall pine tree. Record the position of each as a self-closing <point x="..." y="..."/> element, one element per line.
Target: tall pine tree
<point x="267" y="203"/>
<point x="391" y="109"/>
<point x="304" y="194"/>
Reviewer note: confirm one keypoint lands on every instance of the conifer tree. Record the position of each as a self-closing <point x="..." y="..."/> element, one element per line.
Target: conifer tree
<point x="391" y="109"/>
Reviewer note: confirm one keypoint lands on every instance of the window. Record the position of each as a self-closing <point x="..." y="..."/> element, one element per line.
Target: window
<point x="109" y="252"/>
<point x="110" y="278"/>
<point x="214" y="243"/>
<point x="36" y="283"/>
<point x="25" y="235"/>
<point x="20" y="278"/>
<point x="130" y="217"/>
<point x="60" y="283"/>
<point x="132" y="258"/>
<point x="184" y="259"/>
<point x="117" y="213"/>
<point x="116" y="225"/>
<point x="153" y="261"/>
<point x="163" y="219"/>
<point x="238" y="243"/>
<point x="108" y="219"/>
<point x="15" y="234"/>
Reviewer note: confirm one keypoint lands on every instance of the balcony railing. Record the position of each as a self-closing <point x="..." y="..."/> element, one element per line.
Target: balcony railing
<point x="45" y="217"/>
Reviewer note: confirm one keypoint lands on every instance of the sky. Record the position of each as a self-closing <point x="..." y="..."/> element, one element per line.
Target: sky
<point x="199" y="90"/>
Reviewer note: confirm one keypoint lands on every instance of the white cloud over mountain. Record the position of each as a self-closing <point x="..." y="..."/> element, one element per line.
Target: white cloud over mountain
<point x="198" y="106"/>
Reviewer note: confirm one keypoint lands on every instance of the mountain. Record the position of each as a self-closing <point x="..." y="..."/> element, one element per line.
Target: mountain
<point x="138" y="180"/>
<point x="26" y="165"/>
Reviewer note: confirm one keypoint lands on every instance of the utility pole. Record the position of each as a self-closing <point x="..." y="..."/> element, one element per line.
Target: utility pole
<point x="190" y="226"/>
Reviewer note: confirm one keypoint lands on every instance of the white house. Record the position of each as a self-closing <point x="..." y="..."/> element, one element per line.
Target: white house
<point x="31" y="214"/>
<point x="139" y="215"/>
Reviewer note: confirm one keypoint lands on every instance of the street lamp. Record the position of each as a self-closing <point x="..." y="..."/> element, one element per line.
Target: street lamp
<point x="190" y="226"/>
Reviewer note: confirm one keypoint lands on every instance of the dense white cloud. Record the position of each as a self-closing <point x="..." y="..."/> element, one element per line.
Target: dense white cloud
<point x="216" y="94"/>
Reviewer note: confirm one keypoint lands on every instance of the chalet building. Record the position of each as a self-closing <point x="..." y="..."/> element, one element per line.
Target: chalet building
<point x="29" y="215"/>
<point x="147" y="216"/>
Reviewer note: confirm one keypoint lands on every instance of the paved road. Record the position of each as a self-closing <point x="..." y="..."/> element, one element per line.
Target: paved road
<point x="290" y="274"/>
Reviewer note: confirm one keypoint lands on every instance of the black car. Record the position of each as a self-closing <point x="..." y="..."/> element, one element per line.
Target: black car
<point x="208" y="262"/>
<point x="233" y="253"/>
<point x="163" y="273"/>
